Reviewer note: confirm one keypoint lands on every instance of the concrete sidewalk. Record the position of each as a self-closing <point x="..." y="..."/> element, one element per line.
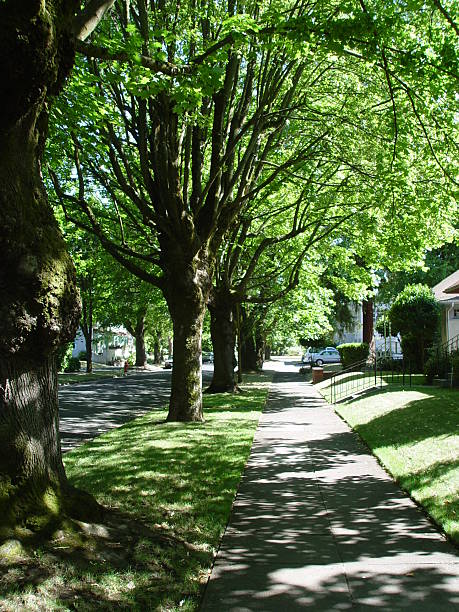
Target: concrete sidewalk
<point x="317" y="523"/>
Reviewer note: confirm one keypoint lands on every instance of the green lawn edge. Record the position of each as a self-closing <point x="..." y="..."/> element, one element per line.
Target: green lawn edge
<point x="414" y="433"/>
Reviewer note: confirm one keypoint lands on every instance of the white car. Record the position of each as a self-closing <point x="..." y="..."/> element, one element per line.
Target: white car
<point x="327" y="355"/>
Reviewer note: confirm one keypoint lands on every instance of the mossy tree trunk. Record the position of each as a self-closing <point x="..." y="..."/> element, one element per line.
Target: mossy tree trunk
<point x="39" y="309"/>
<point x="187" y="289"/>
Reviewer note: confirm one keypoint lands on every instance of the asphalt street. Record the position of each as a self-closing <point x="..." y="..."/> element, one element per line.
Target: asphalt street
<point x="89" y="409"/>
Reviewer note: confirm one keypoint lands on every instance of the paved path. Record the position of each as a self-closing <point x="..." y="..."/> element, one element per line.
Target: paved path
<point x="318" y="525"/>
<point x="88" y="409"/>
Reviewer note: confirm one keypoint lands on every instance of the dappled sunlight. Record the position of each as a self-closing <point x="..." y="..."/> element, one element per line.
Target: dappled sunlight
<point x="167" y="489"/>
<point x="317" y="522"/>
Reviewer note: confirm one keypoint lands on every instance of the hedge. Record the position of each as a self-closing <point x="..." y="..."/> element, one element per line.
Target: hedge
<point x="352" y="352"/>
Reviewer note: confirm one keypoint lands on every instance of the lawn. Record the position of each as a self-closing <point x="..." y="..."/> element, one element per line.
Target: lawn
<point x="169" y="488"/>
<point x="415" y="434"/>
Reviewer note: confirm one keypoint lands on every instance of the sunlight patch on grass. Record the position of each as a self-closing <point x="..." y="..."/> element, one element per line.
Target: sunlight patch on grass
<point x="170" y="487"/>
<point x="415" y="434"/>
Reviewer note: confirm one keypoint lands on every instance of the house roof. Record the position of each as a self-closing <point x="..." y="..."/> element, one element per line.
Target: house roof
<point x="447" y="290"/>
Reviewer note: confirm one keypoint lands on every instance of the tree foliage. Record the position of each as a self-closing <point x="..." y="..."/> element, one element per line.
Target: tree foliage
<point x="414" y="314"/>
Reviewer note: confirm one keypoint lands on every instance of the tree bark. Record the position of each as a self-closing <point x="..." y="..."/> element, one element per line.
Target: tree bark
<point x="88" y="345"/>
<point x="157" y="348"/>
<point x="39" y="309"/>
<point x="87" y="320"/>
<point x="140" y="350"/>
<point x="137" y="331"/>
<point x="187" y="291"/>
<point x="223" y="334"/>
<point x="367" y="312"/>
<point x="248" y="352"/>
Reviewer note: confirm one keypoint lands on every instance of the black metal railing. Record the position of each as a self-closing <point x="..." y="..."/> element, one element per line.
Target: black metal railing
<point x="438" y="363"/>
<point x="356" y="378"/>
<point x="368" y="374"/>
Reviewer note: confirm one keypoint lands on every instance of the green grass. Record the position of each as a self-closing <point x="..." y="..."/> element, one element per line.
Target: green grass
<point x="170" y="487"/>
<point x="415" y="434"/>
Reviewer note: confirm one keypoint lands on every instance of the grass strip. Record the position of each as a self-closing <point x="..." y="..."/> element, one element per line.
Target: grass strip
<point x="170" y="487"/>
<point x="415" y="435"/>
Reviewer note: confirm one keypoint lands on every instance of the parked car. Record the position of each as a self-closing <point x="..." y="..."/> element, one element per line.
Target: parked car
<point x="169" y="362"/>
<point x="318" y="357"/>
<point x="207" y="357"/>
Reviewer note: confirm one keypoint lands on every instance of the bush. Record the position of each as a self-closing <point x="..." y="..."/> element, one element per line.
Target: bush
<point x="82" y="356"/>
<point x="63" y="356"/>
<point x="415" y="315"/>
<point x="438" y="364"/>
<point x="73" y="365"/>
<point x="386" y="364"/>
<point x="455" y="368"/>
<point x="430" y="370"/>
<point x="352" y="352"/>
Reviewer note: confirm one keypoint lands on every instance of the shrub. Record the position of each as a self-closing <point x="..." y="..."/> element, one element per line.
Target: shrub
<point x="389" y="364"/>
<point x="63" y="355"/>
<point x="73" y="365"/>
<point x="438" y="364"/>
<point x="455" y="368"/>
<point x="352" y="352"/>
<point x="82" y="355"/>
<point x="415" y="315"/>
<point x="430" y="369"/>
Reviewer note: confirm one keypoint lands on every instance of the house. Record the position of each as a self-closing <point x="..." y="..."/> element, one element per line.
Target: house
<point x="447" y="295"/>
<point x="109" y="345"/>
<point x="352" y="331"/>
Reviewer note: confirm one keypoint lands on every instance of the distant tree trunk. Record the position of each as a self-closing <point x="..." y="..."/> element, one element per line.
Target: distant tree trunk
<point x="170" y="344"/>
<point x="367" y="312"/>
<point x="248" y="351"/>
<point x="187" y="289"/>
<point x="137" y="331"/>
<point x="157" y="348"/>
<point x="39" y="309"/>
<point x="87" y="320"/>
<point x="88" y="345"/>
<point x="267" y="352"/>
<point x="260" y="344"/>
<point x="223" y="334"/>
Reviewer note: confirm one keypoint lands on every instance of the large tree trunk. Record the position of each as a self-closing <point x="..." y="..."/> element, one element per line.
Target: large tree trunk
<point x="39" y="309"/>
<point x="186" y="291"/>
<point x="223" y="333"/>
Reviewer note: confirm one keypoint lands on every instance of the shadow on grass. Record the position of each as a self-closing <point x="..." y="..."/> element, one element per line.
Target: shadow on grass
<point x="422" y="418"/>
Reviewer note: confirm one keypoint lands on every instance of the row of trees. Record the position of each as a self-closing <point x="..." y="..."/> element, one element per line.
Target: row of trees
<point x="213" y="149"/>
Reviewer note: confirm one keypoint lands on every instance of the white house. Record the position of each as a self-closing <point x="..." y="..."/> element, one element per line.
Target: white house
<point x="447" y="295"/>
<point x="109" y="345"/>
<point x="353" y="332"/>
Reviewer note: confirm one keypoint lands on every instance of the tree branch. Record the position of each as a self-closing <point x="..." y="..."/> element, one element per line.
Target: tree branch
<point x="89" y="18"/>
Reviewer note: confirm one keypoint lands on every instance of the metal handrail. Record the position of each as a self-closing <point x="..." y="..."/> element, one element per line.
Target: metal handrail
<point x="357" y="377"/>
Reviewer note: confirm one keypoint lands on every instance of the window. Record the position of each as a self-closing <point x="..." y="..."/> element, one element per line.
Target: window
<point x="455" y="313"/>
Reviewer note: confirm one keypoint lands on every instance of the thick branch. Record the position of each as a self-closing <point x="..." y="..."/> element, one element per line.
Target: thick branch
<point x="89" y="18"/>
